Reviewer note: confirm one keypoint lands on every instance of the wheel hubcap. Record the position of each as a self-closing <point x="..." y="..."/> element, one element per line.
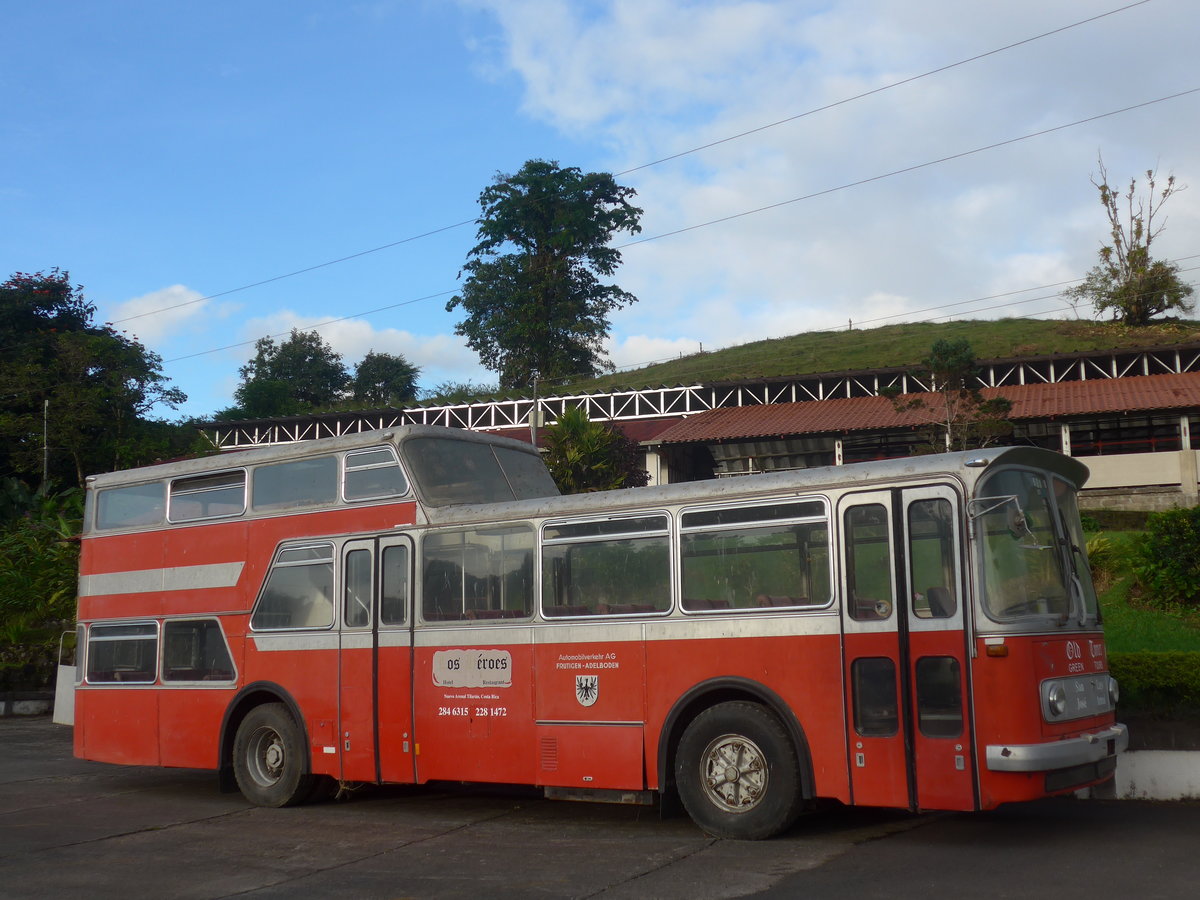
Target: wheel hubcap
<point x="266" y="756"/>
<point x="734" y="773"/>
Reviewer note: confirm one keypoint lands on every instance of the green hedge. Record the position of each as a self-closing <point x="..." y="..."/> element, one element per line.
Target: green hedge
<point x="1165" y="684"/>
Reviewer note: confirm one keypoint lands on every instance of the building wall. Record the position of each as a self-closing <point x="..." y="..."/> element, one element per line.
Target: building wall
<point x="1141" y="481"/>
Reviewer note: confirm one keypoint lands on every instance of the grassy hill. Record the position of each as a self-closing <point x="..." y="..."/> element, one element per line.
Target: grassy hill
<point x="889" y="346"/>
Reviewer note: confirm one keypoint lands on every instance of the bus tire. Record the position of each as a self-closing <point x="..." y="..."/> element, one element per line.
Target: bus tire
<point x="268" y="758"/>
<point x="737" y="772"/>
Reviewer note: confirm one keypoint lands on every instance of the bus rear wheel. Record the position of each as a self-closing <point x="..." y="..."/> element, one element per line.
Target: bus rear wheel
<point x="268" y="758"/>
<point x="737" y="773"/>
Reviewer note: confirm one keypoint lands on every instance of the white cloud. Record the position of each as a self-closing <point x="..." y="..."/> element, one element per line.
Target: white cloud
<point x="440" y="357"/>
<point x="154" y="316"/>
<point x="653" y="77"/>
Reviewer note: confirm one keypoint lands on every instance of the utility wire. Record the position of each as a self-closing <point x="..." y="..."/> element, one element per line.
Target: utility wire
<point x="760" y="209"/>
<point x="905" y="170"/>
<point x="656" y="162"/>
<point x="881" y="89"/>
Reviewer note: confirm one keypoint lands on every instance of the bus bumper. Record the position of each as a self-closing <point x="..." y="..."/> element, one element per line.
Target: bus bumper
<point x="1076" y="751"/>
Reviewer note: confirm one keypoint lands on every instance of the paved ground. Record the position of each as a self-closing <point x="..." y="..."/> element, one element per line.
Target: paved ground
<point x="76" y="829"/>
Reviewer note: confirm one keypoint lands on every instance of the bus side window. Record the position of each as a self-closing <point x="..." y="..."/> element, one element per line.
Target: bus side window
<point x="299" y="590"/>
<point x="482" y="573"/>
<point x="195" y="650"/>
<point x="295" y="484"/>
<point x="869" y="593"/>
<point x="122" y="654"/>
<point x="372" y="474"/>
<point x="212" y="495"/>
<point x="137" y="504"/>
<point x="615" y="567"/>
<point x="752" y="558"/>
<point x="356" y="604"/>
<point x="393" y="601"/>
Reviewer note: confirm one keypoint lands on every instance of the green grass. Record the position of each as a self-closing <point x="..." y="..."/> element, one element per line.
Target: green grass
<point x="902" y="345"/>
<point x="1132" y="625"/>
<point x="1129" y="628"/>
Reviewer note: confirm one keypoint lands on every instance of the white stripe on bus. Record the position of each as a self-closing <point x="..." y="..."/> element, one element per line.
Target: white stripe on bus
<point x="172" y="578"/>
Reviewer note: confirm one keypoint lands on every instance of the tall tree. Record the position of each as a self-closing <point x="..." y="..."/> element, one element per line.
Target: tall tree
<point x="962" y="418"/>
<point x="300" y="374"/>
<point x="535" y="306"/>
<point x="383" y="379"/>
<point x="74" y="396"/>
<point x="1129" y="283"/>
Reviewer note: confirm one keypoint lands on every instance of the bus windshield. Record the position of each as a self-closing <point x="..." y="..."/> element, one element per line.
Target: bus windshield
<point x="449" y="471"/>
<point x="1031" y="549"/>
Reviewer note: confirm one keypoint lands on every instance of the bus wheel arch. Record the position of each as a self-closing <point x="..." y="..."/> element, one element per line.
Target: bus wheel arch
<point x="247" y="700"/>
<point x="710" y="720"/>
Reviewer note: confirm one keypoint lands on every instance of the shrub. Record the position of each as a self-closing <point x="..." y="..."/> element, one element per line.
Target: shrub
<point x="39" y="563"/>
<point x="1165" y="684"/>
<point x="1167" y="560"/>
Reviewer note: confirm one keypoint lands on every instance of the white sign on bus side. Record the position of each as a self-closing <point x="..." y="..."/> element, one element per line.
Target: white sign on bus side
<point x="472" y="668"/>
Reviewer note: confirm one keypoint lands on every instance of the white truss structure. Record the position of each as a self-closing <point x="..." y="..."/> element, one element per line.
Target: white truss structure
<point x="686" y="400"/>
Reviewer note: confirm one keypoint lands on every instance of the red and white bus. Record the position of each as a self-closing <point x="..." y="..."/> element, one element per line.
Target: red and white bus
<point x="419" y="604"/>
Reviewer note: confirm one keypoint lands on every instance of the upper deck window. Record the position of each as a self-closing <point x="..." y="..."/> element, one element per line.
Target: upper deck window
<point x="373" y="474"/>
<point x="208" y="496"/>
<point x="295" y="484"/>
<point x="137" y="504"/>
<point x="452" y="470"/>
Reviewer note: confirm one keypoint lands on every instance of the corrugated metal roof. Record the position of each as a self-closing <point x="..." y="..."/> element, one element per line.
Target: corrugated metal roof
<point x="1147" y="393"/>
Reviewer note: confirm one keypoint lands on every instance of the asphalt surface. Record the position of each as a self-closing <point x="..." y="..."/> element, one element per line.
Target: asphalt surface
<point x="70" y="828"/>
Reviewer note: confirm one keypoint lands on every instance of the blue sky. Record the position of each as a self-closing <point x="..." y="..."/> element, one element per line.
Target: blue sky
<point x="164" y="152"/>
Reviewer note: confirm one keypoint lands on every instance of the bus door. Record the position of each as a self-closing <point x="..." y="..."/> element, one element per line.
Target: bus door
<point x="938" y="664"/>
<point x="905" y="650"/>
<point x="375" y="687"/>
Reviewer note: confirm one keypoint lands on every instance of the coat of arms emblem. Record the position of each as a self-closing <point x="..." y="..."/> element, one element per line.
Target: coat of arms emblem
<point x="587" y="689"/>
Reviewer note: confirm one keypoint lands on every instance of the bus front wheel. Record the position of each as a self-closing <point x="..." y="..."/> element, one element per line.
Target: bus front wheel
<point x="268" y="758"/>
<point x="737" y="773"/>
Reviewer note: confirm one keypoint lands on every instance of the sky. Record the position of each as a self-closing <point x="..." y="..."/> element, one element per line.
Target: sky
<point x="212" y="173"/>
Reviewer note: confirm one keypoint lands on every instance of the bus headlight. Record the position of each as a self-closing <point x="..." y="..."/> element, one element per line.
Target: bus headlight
<point x="1114" y="691"/>
<point x="1056" y="700"/>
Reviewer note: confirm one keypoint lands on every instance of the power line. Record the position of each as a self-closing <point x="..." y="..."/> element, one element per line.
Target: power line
<point x="880" y="90"/>
<point x="316" y="327"/>
<point x="906" y="169"/>
<point x="760" y="209"/>
<point x="656" y="162"/>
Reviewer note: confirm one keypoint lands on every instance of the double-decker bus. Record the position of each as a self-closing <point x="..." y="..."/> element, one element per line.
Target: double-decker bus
<point x="420" y="605"/>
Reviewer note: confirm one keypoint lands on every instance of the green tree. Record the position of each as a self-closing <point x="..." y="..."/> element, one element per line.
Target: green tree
<point x="74" y="396"/>
<point x="535" y="306"/>
<point x="1167" y="559"/>
<point x="1129" y="283"/>
<point x="382" y="379"/>
<point x="39" y="567"/>
<point x="962" y="418"/>
<point x="584" y="456"/>
<point x="300" y="374"/>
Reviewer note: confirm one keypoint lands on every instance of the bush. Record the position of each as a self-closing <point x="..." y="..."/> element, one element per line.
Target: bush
<point x="1165" y="684"/>
<point x="39" y="564"/>
<point x="1167" y="560"/>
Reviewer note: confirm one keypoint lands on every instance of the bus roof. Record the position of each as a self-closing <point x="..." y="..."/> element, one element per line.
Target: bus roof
<point x="297" y="450"/>
<point x="965" y="467"/>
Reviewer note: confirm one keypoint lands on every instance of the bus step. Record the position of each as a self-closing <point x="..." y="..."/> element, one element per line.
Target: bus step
<point x="600" y="795"/>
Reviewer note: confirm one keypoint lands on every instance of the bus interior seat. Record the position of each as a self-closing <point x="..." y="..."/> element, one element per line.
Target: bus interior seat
<point x="941" y="604"/>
